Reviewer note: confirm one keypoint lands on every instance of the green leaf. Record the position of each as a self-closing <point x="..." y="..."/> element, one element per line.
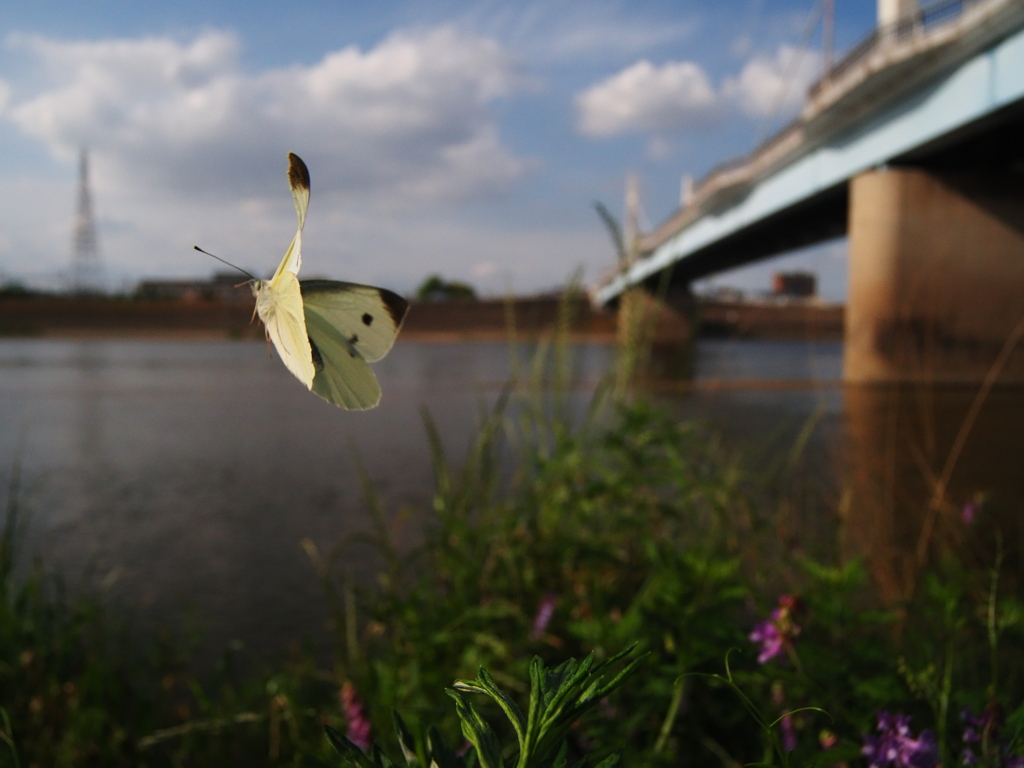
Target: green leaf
<point x="438" y="753"/>
<point x="484" y="683"/>
<point x="349" y="752"/>
<point x="479" y="733"/>
<point x="380" y="759"/>
<point x="405" y="740"/>
<point x="562" y="757"/>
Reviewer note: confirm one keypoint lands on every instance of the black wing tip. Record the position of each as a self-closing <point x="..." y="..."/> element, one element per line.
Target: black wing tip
<point x="298" y="173"/>
<point x="397" y="306"/>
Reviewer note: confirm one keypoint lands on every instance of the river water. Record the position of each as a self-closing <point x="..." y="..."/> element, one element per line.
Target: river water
<point x="179" y="477"/>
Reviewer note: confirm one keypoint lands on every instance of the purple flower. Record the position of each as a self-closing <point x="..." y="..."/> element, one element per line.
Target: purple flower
<point x="545" y="611"/>
<point x="767" y="634"/>
<point x="358" y="731"/>
<point x="983" y="730"/>
<point x="786" y="724"/>
<point x="969" y="511"/>
<point x="975" y="726"/>
<point x="776" y="633"/>
<point x="788" y="733"/>
<point x="895" y="747"/>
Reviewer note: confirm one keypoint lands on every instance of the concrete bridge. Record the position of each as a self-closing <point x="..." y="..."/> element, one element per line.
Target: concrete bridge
<point x="913" y="146"/>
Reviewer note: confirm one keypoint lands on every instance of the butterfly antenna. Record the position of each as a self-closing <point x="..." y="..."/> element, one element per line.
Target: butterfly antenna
<point x="223" y="261"/>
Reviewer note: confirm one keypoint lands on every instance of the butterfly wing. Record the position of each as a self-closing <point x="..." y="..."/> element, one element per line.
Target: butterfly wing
<point x="298" y="180"/>
<point x="325" y="331"/>
<point x="349" y="325"/>
<point x="279" y="300"/>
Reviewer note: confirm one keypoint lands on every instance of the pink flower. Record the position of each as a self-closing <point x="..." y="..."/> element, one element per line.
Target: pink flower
<point x="895" y="747"/>
<point x="358" y="725"/>
<point x="545" y="611"/>
<point x="788" y="733"/>
<point x="969" y="511"/>
<point x="786" y="724"/>
<point x="767" y="634"/>
<point x="778" y="632"/>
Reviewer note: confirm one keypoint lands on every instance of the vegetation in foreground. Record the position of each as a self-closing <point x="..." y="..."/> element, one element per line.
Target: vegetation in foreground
<point x="617" y="526"/>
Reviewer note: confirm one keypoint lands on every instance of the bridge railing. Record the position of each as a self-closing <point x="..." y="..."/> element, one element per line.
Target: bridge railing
<point x="928" y="16"/>
<point x="736" y="174"/>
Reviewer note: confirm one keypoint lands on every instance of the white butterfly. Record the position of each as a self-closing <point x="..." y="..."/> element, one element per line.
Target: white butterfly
<point x="327" y="331"/>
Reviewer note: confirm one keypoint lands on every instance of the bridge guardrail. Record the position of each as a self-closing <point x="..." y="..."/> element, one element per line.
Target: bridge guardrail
<point x="736" y="175"/>
<point x="735" y="171"/>
<point x="929" y="15"/>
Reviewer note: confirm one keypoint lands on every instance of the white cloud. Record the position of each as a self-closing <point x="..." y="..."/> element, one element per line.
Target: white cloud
<point x="188" y="147"/>
<point x="409" y="117"/>
<point x="343" y="240"/>
<point x="773" y="84"/>
<point x="658" y="100"/>
<point x="679" y="96"/>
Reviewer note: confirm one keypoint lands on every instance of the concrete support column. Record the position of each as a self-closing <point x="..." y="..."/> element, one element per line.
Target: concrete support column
<point x="936" y="290"/>
<point x="936" y="276"/>
<point x="656" y="332"/>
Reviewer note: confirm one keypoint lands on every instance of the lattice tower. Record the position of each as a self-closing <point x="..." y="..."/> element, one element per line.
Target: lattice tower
<point x="87" y="274"/>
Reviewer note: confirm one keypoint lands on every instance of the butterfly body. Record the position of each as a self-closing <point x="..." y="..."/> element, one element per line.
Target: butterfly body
<point x="279" y="306"/>
<point x="327" y="331"/>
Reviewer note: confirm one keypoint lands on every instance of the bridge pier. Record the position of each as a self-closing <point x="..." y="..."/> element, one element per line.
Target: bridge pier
<point x="936" y="290"/>
<point x="936" y="276"/>
<point x="656" y="331"/>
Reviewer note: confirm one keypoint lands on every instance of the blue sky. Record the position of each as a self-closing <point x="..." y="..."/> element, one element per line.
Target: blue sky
<point x="466" y="138"/>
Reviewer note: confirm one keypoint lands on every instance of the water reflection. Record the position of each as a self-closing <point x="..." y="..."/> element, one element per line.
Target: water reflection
<point x="88" y="366"/>
<point x="894" y="466"/>
<point x="192" y="471"/>
<point x="914" y="459"/>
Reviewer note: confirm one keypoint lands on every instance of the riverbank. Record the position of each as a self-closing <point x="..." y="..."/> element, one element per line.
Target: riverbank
<point x="485" y="320"/>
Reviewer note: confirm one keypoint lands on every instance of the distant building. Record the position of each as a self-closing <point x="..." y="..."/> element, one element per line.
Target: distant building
<point x="223" y="286"/>
<point x="801" y="285"/>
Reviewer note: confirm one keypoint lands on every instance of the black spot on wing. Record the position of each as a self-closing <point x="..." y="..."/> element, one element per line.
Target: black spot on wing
<point x="367" y="318"/>
<point x="352" y="341"/>
<point x="298" y="174"/>
<point x="318" y="359"/>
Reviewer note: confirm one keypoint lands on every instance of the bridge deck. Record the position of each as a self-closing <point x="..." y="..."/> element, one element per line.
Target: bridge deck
<point x="918" y="86"/>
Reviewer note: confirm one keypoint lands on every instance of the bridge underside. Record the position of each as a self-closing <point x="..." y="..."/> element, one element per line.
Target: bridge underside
<point x="936" y="257"/>
<point x="990" y="145"/>
<point x="927" y="182"/>
<point x="813" y="221"/>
